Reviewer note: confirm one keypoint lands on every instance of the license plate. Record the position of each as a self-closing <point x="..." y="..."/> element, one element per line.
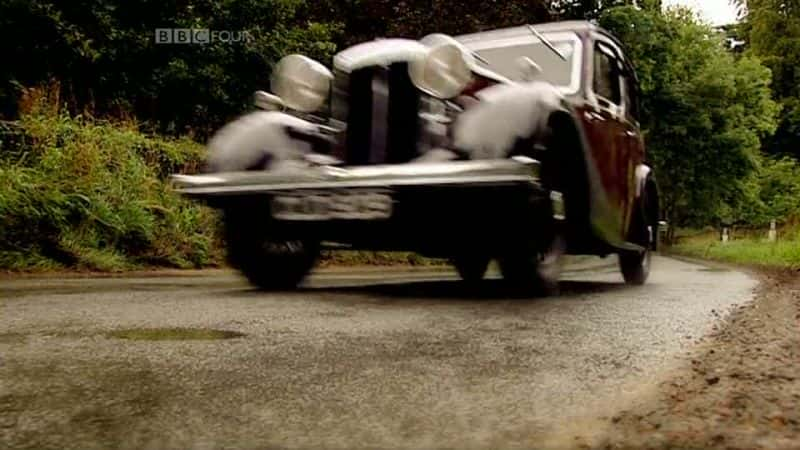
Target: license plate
<point x="341" y="205"/>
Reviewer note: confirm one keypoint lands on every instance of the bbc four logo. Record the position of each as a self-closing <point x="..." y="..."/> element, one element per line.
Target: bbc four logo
<point x="199" y="36"/>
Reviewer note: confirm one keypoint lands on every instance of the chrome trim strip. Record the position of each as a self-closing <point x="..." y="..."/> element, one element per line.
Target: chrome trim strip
<point x="378" y="53"/>
<point x="438" y="168"/>
<point x="385" y="183"/>
<point x="301" y="172"/>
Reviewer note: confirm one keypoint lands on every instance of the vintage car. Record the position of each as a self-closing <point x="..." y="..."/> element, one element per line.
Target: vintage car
<point x="517" y="145"/>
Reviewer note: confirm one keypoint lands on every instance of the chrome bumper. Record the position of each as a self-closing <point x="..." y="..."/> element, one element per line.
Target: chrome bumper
<point x="302" y="176"/>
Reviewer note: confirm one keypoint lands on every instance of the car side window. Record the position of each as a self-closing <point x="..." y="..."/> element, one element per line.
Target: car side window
<point x="631" y="98"/>
<point x="606" y="82"/>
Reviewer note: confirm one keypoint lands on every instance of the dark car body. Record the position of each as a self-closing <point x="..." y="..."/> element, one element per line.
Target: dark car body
<point x="565" y="145"/>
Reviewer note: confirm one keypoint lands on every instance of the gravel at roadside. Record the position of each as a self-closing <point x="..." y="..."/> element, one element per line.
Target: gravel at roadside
<point x="738" y="389"/>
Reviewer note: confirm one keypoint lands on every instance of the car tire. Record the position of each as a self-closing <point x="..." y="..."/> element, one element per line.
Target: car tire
<point x="534" y="270"/>
<point x="472" y="268"/>
<point x="635" y="265"/>
<point x="269" y="263"/>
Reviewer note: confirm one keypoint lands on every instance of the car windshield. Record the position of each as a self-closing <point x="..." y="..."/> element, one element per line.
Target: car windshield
<point x="505" y="60"/>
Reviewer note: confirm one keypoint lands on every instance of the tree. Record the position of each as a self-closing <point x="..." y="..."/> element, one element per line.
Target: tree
<point x="773" y="31"/>
<point x="772" y="192"/>
<point x="704" y="111"/>
<point x="368" y="19"/>
<point x="592" y="9"/>
<point x="107" y="61"/>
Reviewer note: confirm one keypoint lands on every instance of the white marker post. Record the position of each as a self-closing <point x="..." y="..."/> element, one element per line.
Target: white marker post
<point x="772" y="236"/>
<point x="725" y="235"/>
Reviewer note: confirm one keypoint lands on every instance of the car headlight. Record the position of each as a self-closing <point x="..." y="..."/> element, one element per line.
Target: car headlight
<point x="302" y="83"/>
<point x="444" y="72"/>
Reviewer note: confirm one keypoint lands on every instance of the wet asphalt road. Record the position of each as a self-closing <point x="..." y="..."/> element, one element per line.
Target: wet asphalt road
<point x="378" y="359"/>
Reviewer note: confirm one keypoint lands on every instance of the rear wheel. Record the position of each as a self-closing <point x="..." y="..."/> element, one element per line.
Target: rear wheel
<point x="471" y="268"/>
<point x="268" y="262"/>
<point x="635" y="265"/>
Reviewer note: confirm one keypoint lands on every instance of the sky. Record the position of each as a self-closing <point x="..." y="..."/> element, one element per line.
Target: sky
<point x="717" y="12"/>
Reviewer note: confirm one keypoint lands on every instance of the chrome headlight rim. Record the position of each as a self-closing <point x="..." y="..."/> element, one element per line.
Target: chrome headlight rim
<point x="446" y="69"/>
<point x="302" y="83"/>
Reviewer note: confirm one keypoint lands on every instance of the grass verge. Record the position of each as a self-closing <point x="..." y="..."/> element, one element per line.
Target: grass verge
<point x="745" y="250"/>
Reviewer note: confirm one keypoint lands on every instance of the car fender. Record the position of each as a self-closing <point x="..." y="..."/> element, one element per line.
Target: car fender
<point x="643" y="172"/>
<point x="256" y="139"/>
<point x="507" y="113"/>
<point x="645" y="176"/>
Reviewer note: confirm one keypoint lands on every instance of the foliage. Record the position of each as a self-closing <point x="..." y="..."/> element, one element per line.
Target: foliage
<point x="592" y="9"/>
<point x="771" y="193"/>
<point x="704" y="110"/>
<point x="106" y="58"/>
<point x="89" y="194"/>
<point x="772" y="28"/>
<point x="104" y="53"/>
<point x="367" y="19"/>
<point x="74" y="190"/>
<point x="779" y="183"/>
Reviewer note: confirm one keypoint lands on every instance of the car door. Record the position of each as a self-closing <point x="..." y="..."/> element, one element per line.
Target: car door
<point x="603" y="122"/>
<point x="633" y="139"/>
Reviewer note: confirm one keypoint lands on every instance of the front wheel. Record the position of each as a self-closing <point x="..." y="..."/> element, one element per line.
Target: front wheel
<point x="635" y="266"/>
<point x="471" y="268"/>
<point x="536" y="270"/>
<point x="270" y="263"/>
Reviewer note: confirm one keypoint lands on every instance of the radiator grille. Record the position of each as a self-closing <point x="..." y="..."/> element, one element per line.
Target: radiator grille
<point x="380" y="108"/>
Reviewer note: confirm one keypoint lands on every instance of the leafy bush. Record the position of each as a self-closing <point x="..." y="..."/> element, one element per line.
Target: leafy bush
<point x="771" y="193"/>
<point x="90" y="194"/>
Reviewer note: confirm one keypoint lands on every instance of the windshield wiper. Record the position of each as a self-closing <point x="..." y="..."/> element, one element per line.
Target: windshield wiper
<point x="547" y="43"/>
<point x="480" y="58"/>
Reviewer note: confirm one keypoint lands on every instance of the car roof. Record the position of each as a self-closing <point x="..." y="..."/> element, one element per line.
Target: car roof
<point x="577" y="26"/>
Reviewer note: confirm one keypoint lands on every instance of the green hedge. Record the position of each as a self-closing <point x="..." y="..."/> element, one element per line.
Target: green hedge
<point x="82" y="193"/>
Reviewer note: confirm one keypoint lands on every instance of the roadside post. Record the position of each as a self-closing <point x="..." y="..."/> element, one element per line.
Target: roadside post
<point x="663" y="232"/>
<point x="725" y="234"/>
<point x="772" y="236"/>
